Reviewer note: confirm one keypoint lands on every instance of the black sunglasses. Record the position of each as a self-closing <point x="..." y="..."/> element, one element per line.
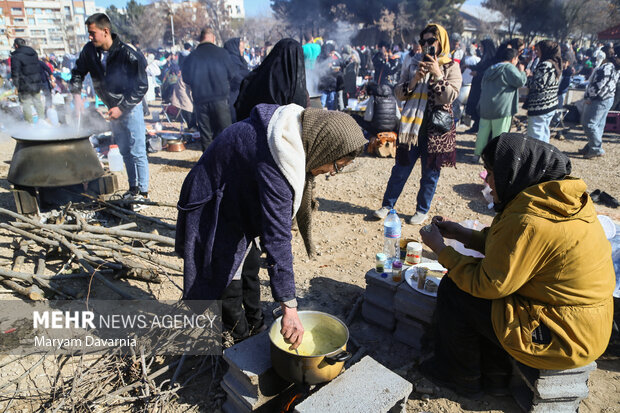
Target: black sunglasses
<point x="427" y="41"/>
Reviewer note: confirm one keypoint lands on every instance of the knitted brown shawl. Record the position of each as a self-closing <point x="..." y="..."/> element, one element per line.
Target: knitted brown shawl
<point x="326" y="136"/>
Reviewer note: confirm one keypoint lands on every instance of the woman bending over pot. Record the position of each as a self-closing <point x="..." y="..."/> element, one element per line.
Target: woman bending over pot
<point x="250" y="183"/>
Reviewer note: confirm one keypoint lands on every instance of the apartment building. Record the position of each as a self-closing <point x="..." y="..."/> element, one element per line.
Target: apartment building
<point x="49" y="26"/>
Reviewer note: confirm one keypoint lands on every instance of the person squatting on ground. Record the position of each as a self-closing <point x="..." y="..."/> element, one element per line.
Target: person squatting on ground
<point x="542" y="98"/>
<point x="26" y="76"/>
<point x="430" y="85"/>
<point x="208" y="71"/>
<point x="599" y="98"/>
<point x="499" y="100"/>
<point x="251" y="182"/>
<point x="119" y="77"/>
<point x="543" y="292"/>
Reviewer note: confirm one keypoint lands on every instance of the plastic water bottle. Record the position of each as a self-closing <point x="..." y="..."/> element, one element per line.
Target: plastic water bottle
<point x="115" y="159"/>
<point x="391" y="232"/>
<point x="52" y="116"/>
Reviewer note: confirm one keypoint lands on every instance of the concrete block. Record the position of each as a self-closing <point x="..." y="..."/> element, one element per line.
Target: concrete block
<point x="378" y="316"/>
<point x="252" y="356"/>
<point x="233" y="403"/>
<point x="253" y="397"/>
<point x="409" y="331"/>
<point x="366" y="387"/>
<point x="526" y="400"/>
<point x="414" y="304"/>
<point x="250" y="375"/>
<point x="380" y="291"/>
<point x="556" y="384"/>
<point x="374" y="278"/>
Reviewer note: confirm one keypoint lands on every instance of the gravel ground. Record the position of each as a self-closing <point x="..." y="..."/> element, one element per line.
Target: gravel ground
<point x="347" y="239"/>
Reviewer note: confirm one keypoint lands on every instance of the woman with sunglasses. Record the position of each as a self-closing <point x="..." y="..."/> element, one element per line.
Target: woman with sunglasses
<point x="255" y="177"/>
<point x="429" y="85"/>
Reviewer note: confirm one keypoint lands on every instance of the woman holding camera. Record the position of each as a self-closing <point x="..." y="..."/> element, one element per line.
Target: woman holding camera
<point x="427" y="131"/>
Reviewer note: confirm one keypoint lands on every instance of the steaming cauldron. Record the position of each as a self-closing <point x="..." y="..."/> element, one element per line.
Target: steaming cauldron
<point x="47" y="162"/>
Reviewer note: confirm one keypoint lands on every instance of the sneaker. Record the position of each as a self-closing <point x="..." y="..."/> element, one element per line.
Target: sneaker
<point x="417" y="218"/>
<point x="590" y="155"/>
<point x="382" y="212"/>
<point x="583" y="150"/>
<point x="131" y="194"/>
<point x="137" y="206"/>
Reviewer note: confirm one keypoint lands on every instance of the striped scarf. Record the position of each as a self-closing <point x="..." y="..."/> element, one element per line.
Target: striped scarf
<point x="413" y="114"/>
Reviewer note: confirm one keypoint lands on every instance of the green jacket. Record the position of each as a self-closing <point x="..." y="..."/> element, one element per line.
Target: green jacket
<point x="500" y="91"/>
<point x="547" y="261"/>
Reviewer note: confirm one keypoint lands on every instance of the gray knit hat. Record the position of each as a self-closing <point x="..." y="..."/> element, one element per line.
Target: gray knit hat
<point x="326" y="136"/>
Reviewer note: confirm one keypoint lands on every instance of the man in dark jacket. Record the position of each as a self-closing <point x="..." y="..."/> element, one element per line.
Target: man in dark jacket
<point x="119" y="77"/>
<point x="26" y="75"/>
<point x="208" y="72"/>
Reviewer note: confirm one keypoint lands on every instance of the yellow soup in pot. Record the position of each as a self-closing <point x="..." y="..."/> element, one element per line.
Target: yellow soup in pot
<point x="318" y="340"/>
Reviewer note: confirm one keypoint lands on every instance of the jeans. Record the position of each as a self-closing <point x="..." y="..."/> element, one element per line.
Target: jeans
<point x="538" y="126"/>
<point x="400" y="174"/>
<point x="593" y="120"/>
<point x="328" y="100"/>
<point x="130" y="136"/>
<point x="28" y="100"/>
<point x="212" y="118"/>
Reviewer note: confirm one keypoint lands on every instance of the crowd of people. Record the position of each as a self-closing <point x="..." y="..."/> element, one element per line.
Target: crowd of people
<point x="541" y="294"/>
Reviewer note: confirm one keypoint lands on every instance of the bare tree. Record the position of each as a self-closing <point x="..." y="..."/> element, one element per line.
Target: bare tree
<point x="218" y="17"/>
<point x="258" y="30"/>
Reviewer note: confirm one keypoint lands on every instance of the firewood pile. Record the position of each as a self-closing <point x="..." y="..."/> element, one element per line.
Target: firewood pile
<point x="73" y="244"/>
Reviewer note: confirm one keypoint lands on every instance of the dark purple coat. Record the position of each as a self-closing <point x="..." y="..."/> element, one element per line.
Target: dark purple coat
<point x="235" y="193"/>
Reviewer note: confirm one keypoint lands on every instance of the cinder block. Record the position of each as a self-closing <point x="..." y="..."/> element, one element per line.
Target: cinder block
<point x="379" y="290"/>
<point x="252" y="356"/>
<point x="254" y="397"/>
<point x="366" y="387"/>
<point x="557" y="384"/>
<point x="414" y="304"/>
<point x="409" y="331"/>
<point x="250" y="375"/>
<point x="526" y="400"/>
<point x="378" y="315"/>
<point x="233" y="403"/>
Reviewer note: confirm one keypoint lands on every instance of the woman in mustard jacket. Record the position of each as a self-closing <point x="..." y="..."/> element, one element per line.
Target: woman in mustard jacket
<point x="543" y="292"/>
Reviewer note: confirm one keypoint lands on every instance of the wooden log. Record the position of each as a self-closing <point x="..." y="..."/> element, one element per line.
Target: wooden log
<point x="136" y="202"/>
<point x="32" y="292"/>
<point x="24" y="233"/>
<point x="67" y="234"/>
<point x="133" y="214"/>
<point x="90" y="269"/>
<point x="129" y="234"/>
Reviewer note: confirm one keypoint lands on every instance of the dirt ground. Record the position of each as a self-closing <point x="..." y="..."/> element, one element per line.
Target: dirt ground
<point x="347" y="240"/>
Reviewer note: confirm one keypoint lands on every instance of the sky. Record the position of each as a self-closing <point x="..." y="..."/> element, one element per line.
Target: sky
<point x="252" y="7"/>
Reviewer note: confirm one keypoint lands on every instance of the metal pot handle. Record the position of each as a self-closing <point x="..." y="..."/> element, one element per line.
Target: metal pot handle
<point x="338" y="357"/>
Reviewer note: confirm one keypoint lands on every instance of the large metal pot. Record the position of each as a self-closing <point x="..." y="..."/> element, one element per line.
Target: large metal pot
<point x="322" y="352"/>
<point x="315" y="102"/>
<point x="50" y="163"/>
